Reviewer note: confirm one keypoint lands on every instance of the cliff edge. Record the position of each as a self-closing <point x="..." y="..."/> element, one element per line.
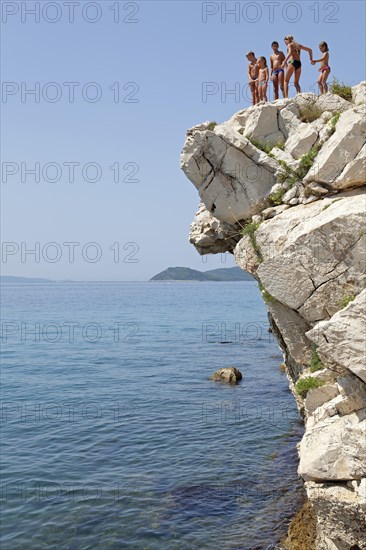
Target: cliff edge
<point x="282" y="187"/>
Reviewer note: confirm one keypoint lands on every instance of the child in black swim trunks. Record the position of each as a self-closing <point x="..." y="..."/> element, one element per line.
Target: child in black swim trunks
<point x="294" y="63"/>
<point x="324" y="68"/>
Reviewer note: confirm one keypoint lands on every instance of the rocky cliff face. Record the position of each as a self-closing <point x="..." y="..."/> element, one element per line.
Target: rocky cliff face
<point x="282" y="187"/>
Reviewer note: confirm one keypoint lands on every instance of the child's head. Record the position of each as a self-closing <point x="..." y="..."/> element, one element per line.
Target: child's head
<point x="250" y="56"/>
<point x="262" y="62"/>
<point x="323" y="47"/>
<point x="275" y="46"/>
<point x="288" y="38"/>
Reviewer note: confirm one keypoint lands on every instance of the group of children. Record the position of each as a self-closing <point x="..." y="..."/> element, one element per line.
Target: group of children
<point x="282" y="69"/>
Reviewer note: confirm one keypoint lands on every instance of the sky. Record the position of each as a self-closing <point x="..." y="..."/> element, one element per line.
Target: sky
<point x="91" y="185"/>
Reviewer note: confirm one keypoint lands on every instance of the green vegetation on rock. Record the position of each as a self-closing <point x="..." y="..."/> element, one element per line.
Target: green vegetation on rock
<point x="277" y="196"/>
<point x="306" y="384"/>
<point x="267" y="297"/>
<point x="249" y="230"/>
<point x="267" y="148"/>
<point x="315" y="363"/>
<point x="288" y="175"/>
<point x="211" y="126"/>
<point x="347" y="298"/>
<point x="341" y="89"/>
<point x="333" y="121"/>
<point x="307" y="161"/>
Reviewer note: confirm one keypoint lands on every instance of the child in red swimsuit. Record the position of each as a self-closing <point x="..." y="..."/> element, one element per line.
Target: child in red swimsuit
<point x="324" y="68"/>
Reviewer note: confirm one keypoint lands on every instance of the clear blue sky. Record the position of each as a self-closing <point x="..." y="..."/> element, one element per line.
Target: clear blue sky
<point x="169" y="52"/>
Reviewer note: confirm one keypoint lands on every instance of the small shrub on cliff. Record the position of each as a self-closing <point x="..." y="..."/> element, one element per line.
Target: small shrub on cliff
<point x="267" y="297"/>
<point x="307" y="161"/>
<point x="211" y="126"/>
<point x="309" y="113"/>
<point x="288" y="175"/>
<point x="249" y="229"/>
<point x="341" y="89"/>
<point x="266" y="147"/>
<point x="259" y="145"/>
<point x="306" y="384"/>
<point x="347" y="298"/>
<point x="333" y="121"/>
<point x="315" y="363"/>
<point x="279" y="145"/>
<point x="277" y="196"/>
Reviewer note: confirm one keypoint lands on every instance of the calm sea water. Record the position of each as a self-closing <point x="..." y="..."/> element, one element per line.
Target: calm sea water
<point x="113" y="434"/>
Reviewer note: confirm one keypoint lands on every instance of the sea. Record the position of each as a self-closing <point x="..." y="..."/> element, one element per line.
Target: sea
<point x="113" y="434"/>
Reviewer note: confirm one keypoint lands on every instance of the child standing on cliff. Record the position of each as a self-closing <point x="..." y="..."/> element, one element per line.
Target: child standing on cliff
<point x="324" y="68"/>
<point x="262" y="78"/>
<point x="253" y="76"/>
<point x="277" y="72"/>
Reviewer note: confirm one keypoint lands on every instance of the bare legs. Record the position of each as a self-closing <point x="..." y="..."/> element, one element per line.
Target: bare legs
<point x="254" y="92"/>
<point x="322" y="81"/>
<point x="262" y="90"/>
<point x="297" y="80"/>
<point x="278" y="81"/>
<point x="290" y="71"/>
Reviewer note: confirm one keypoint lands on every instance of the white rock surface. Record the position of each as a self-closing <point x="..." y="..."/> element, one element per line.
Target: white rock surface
<point x="359" y="93"/>
<point x="301" y="141"/>
<point x="354" y="174"/>
<point x="340" y="150"/>
<point x="334" y="337"/>
<point x="309" y="257"/>
<point x="231" y="176"/>
<point x="290" y="194"/>
<point x="288" y="120"/>
<point x="262" y="124"/>
<point x="314" y="258"/>
<point x="353" y="392"/>
<point x="209" y="235"/>
<point x="331" y="450"/>
<point x="332" y="103"/>
<point x="318" y="396"/>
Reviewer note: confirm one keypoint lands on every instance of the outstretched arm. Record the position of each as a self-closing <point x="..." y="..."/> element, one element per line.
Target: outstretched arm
<point x="319" y="60"/>
<point x="309" y="50"/>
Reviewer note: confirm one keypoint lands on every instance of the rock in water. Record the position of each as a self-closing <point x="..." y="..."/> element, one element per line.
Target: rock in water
<point x="230" y="375"/>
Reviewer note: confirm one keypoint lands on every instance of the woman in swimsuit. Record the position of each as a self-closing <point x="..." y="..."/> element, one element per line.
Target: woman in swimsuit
<point x="294" y="63"/>
<point x="324" y="68"/>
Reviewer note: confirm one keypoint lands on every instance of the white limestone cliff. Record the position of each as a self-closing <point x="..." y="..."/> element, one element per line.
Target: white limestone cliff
<point x="282" y="187"/>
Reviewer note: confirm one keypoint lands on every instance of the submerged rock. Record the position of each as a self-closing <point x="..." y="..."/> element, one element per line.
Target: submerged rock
<point x="230" y="375"/>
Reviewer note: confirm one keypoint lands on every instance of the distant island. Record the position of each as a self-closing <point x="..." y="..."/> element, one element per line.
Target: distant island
<point x="187" y="274"/>
<point x="170" y="274"/>
<point x="30" y="280"/>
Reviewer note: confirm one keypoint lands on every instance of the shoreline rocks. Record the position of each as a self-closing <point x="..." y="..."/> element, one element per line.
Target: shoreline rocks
<point x="292" y="187"/>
